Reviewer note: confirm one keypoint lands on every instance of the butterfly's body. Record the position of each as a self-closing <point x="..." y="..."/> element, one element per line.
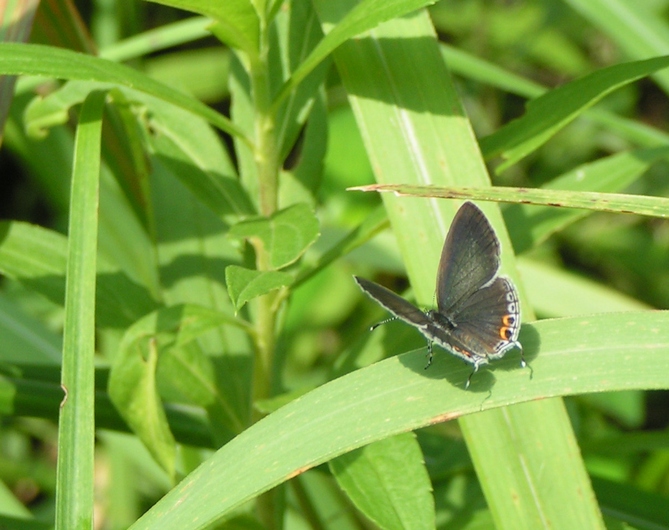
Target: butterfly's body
<point x="478" y="313"/>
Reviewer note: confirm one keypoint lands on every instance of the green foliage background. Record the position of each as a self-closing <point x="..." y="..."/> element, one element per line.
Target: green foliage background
<point x="182" y="343"/>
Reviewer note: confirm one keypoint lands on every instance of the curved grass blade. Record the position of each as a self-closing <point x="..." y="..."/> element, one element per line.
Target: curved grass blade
<point x="35" y="59"/>
<point x="397" y="395"/>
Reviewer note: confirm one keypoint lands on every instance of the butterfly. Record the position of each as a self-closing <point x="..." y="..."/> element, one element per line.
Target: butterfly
<point x="478" y="312"/>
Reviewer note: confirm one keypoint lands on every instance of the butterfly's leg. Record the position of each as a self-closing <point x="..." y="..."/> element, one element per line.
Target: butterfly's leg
<point x="372" y="328"/>
<point x="469" y="379"/>
<point x="523" y="364"/>
<point x="429" y="354"/>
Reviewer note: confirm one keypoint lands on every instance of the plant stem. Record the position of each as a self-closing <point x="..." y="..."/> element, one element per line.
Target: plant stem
<point x="266" y="161"/>
<point x="269" y="505"/>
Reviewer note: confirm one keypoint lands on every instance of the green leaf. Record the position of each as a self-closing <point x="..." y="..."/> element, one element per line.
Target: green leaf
<point x="423" y="137"/>
<point x="16" y="25"/>
<point x="472" y="67"/>
<point x="184" y="143"/>
<point x="397" y="395"/>
<point x="35" y="391"/>
<point x="133" y="390"/>
<point x="193" y="251"/>
<point x="363" y="17"/>
<point x="23" y="522"/>
<point x="303" y="181"/>
<point x="133" y="385"/>
<point x="554" y="292"/>
<point x="246" y="284"/>
<point x="190" y="149"/>
<point x="25" y="338"/>
<point x="36" y="257"/>
<point x="286" y="235"/>
<point x="388" y="482"/>
<point x="237" y="23"/>
<point x="596" y="202"/>
<point x="549" y="113"/>
<point x="186" y="374"/>
<point x="43" y="113"/>
<point x="76" y="423"/>
<point x="638" y="28"/>
<point x="299" y="29"/>
<point x="531" y="225"/>
<point x="639" y="508"/>
<point x="163" y="37"/>
<point x="34" y="59"/>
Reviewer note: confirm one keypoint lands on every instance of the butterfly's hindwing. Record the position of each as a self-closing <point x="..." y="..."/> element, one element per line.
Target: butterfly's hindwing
<point x="489" y="321"/>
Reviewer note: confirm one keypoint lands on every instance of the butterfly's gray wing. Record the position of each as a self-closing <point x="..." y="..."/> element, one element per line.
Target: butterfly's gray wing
<point x="397" y="305"/>
<point x="469" y="259"/>
<point x="487" y="324"/>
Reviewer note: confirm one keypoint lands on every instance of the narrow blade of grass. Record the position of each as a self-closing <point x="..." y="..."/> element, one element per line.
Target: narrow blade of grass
<point x="397" y="395"/>
<point x="76" y="433"/>
<point x="34" y="59"/>
<point x="638" y="30"/>
<point x="598" y="202"/>
<point x="415" y="132"/>
<point x="549" y="113"/>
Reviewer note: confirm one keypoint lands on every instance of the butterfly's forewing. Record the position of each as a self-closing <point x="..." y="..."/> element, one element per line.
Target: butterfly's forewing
<point x="397" y="305"/>
<point x="469" y="259"/>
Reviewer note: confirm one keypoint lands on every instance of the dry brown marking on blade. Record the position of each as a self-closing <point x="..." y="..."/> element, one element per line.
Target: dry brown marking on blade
<point x="298" y="471"/>
<point x="448" y="416"/>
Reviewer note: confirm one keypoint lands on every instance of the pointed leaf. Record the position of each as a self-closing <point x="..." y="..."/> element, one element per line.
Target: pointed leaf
<point x="246" y="284"/>
<point x="549" y="113"/>
<point x="133" y="386"/>
<point x="35" y="59"/>
<point x="236" y="21"/>
<point x="388" y="482"/>
<point x="286" y="235"/>
<point x="133" y="390"/>
<point x="364" y="16"/>
<point x="36" y="257"/>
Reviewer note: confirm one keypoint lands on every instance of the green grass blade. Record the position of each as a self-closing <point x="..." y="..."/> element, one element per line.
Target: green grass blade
<point x="639" y="31"/>
<point x="638" y="508"/>
<point x="415" y="132"/>
<point x="555" y="292"/>
<point x="502" y="432"/>
<point x="34" y="59"/>
<point x="596" y="202"/>
<point x="161" y="38"/>
<point x="472" y="67"/>
<point x="76" y="433"/>
<point x="549" y="113"/>
<point x="366" y="15"/>
<point x="530" y="226"/>
<point x="397" y="395"/>
<point x="36" y="257"/>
